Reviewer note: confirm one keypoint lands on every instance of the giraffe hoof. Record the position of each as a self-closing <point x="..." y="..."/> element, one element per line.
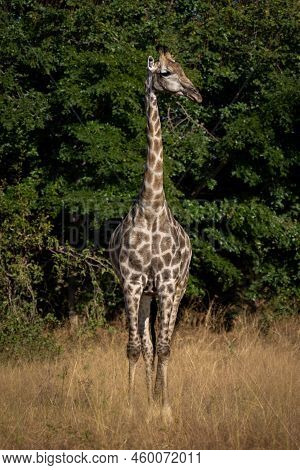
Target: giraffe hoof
<point x="167" y="416"/>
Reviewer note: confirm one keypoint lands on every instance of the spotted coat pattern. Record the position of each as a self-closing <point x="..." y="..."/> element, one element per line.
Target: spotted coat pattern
<point x="151" y="253"/>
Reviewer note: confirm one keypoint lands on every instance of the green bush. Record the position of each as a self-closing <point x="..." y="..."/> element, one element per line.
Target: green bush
<point x="73" y="136"/>
<point x="21" y="337"/>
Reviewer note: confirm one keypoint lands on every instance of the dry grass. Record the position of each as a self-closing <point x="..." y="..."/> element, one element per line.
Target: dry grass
<point x="233" y="391"/>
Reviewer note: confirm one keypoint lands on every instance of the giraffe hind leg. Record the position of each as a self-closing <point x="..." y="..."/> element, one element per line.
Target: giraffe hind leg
<point x="146" y="341"/>
<point x="178" y="296"/>
<point x="163" y="351"/>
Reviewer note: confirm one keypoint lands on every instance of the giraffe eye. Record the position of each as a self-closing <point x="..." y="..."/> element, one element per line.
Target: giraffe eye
<point x="165" y="74"/>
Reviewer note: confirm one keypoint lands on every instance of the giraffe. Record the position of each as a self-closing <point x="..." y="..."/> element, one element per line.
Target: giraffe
<point x="149" y="250"/>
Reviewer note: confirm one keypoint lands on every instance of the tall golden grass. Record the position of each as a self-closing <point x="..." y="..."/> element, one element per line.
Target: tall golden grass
<point x="228" y="391"/>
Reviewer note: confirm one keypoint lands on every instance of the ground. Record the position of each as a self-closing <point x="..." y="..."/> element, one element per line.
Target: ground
<point x="237" y="390"/>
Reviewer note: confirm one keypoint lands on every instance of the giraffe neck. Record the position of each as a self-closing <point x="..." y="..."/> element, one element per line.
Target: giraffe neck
<point x="152" y="195"/>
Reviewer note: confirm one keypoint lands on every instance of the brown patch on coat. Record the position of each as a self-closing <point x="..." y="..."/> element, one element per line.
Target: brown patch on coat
<point x="167" y="258"/>
<point x="156" y="145"/>
<point x="157" y="183"/>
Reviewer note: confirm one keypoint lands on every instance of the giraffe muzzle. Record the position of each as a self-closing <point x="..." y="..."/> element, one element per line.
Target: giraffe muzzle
<point x="193" y="94"/>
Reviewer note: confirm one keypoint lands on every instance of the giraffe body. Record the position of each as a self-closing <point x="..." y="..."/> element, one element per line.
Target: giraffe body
<point x="149" y="250"/>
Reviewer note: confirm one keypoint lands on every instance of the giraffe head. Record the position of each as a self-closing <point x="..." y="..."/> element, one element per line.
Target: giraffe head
<point x="169" y="76"/>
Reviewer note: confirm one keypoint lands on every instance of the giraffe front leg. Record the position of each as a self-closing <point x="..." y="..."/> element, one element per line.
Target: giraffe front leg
<point x="132" y="295"/>
<point x="163" y="353"/>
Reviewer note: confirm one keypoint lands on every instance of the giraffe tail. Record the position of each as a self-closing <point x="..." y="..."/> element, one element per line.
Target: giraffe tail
<point x="153" y="314"/>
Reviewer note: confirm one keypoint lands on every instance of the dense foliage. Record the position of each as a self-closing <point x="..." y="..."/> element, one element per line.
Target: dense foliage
<point x="72" y="146"/>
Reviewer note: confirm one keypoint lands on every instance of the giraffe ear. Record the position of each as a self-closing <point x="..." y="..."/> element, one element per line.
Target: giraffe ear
<point x="150" y="62"/>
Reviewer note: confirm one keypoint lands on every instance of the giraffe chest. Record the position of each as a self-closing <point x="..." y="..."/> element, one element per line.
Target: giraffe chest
<point x="142" y="247"/>
<point x="153" y="256"/>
